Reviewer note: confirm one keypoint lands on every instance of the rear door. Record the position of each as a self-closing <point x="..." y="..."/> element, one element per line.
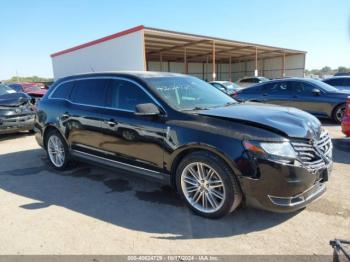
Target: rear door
<point x="278" y="93"/>
<point x="129" y="138"/>
<point x="83" y="119"/>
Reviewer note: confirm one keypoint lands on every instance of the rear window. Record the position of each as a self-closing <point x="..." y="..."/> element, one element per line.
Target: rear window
<point x="90" y="92"/>
<point x="63" y="91"/>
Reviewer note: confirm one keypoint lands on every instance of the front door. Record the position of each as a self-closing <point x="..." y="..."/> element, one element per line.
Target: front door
<point x="132" y="139"/>
<point x="305" y="99"/>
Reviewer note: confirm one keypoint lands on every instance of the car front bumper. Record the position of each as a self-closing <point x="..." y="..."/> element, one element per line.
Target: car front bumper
<point x="284" y="188"/>
<point x="11" y="124"/>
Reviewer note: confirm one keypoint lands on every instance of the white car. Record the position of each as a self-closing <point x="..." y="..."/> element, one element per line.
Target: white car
<point x="249" y="81"/>
<point x="226" y="87"/>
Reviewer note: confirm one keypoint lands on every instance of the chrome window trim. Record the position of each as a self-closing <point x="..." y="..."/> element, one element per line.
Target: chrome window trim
<point x="109" y="78"/>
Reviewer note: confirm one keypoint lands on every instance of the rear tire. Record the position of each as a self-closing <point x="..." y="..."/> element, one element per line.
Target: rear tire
<point x="207" y="185"/>
<point x="338" y="113"/>
<point x="57" y="150"/>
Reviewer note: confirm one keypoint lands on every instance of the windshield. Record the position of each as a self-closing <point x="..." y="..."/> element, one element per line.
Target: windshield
<point x="324" y="86"/>
<point x="4" y="90"/>
<point x="188" y="93"/>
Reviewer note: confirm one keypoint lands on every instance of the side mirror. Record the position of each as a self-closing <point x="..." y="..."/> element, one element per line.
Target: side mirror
<point x="148" y="109"/>
<point x="316" y="92"/>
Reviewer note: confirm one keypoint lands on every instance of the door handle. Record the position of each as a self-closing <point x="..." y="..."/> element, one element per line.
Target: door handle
<point x="111" y="122"/>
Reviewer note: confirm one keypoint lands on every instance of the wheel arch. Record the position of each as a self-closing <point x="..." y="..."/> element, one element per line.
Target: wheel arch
<point x="47" y="129"/>
<point x="336" y="106"/>
<point x="179" y="155"/>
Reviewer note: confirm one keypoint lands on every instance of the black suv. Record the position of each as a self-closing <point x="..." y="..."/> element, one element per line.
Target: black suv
<point x="180" y="130"/>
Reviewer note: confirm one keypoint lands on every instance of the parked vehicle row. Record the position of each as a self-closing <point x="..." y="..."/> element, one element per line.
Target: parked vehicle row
<point x="16" y="111"/>
<point x="178" y="129"/>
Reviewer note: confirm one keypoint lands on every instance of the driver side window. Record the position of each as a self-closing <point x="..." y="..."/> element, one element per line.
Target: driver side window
<point x="303" y="88"/>
<point x="126" y="95"/>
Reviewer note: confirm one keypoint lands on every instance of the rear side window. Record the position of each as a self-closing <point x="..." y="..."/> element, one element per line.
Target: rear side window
<point x="90" y="92"/>
<point x="126" y="95"/>
<point x="63" y="91"/>
<point x="279" y="88"/>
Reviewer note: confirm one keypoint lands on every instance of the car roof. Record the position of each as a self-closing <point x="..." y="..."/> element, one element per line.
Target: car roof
<point x="336" y="77"/>
<point x="139" y="74"/>
<point x="220" y="82"/>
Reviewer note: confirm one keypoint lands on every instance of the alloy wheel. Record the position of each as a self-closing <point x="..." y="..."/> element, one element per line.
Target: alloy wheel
<point x="203" y="187"/>
<point x="340" y="113"/>
<point x="55" y="150"/>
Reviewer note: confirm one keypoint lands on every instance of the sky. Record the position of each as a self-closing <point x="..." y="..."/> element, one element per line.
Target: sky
<point x="31" y="30"/>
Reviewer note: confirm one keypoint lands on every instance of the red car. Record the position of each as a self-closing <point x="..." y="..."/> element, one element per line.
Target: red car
<point x="32" y="89"/>
<point x="345" y="125"/>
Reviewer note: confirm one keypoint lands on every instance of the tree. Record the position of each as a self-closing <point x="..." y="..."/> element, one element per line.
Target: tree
<point x="326" y="70"/>
<point x="29" y="79"/>
<point x="343" y="69"/>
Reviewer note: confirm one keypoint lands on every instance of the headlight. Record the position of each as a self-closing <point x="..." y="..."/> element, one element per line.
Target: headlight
<point x="274" y="149"/>
<point x="279" y="149"/>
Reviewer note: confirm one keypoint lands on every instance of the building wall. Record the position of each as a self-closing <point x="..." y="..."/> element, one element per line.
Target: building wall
<point x="122" y="53"/>
<point x="271" y="68"/>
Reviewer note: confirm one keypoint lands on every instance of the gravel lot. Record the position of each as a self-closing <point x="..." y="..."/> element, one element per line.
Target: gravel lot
<point x="89" y="210"/>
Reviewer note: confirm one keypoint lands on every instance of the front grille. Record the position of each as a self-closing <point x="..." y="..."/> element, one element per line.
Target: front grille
<point x="314" y="155"/>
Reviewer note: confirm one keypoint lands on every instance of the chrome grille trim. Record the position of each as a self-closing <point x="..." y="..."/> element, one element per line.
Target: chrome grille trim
<point x="314" y="155"/>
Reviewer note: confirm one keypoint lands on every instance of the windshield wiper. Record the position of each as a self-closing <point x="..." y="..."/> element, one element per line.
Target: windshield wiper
<point x="230" y="103"/>
<point x="196" y="108"/>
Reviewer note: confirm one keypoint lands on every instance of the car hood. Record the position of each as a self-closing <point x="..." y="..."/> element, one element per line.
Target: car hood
<point x="14" y="99"/>
<point x="289" y="121"/>
<point x="342" y="91"/>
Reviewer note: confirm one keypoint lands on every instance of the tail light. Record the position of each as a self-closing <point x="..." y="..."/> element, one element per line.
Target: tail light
<point x="347" y="110"/>
<point x="235" y="93"/>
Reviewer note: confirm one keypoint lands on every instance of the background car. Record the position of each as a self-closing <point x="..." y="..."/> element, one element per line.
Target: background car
<point x="249" y="81"/>
<point x="345" y="125"/>
<point x="226" y="86"/>
<point x="313" y="96"/>
<point x="16" y="111"/>
<point x="34" y="90"/>
<point x="340" y="82"/>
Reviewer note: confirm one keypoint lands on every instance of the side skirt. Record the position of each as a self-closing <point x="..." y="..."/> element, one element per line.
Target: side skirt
<point x="109" y="163"/>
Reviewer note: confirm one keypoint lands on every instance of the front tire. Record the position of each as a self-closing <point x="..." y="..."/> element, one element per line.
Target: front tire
<point x="207" y="185"/>
<point x="57" y="150"/>
<point x="338" y="113"/>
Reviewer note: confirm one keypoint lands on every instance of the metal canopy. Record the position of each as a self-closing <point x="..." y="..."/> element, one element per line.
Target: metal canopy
<point x="170" y="46"/>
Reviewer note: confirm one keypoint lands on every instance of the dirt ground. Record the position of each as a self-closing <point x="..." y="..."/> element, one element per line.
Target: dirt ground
<point x="89" y="210"/>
